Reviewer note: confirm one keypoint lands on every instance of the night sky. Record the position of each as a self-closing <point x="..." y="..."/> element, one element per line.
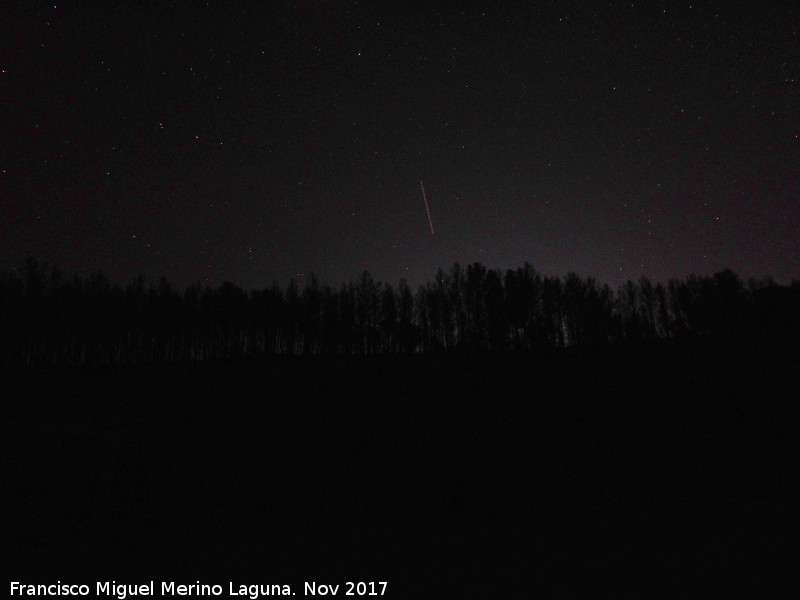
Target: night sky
<point x="251" y="143"/>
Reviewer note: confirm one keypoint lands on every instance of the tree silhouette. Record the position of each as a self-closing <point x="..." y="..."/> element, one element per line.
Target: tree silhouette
<point x="46" y="318"/>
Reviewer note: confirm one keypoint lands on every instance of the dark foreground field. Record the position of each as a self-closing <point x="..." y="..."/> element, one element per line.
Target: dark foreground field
<point x="641" y="468"/>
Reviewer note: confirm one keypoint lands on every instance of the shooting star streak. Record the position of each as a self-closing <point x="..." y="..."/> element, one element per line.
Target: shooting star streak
<point x="427" y="210"/>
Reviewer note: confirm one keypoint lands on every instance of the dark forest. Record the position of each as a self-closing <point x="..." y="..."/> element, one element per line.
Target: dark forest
<point x="48" y="318"/>
<point x="465" y="427"/>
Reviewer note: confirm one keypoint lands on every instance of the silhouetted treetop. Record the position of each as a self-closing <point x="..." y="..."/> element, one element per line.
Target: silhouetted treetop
<point x="50" y="319"/>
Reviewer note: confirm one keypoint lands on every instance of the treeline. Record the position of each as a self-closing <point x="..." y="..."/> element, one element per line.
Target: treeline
<point x="46" y="318"/>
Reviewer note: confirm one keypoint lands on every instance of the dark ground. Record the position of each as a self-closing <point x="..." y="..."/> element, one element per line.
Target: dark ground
<point x="642" y="469"/>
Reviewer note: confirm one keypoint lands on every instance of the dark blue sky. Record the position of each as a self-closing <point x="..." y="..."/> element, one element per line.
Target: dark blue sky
<point x="250" y="143"/>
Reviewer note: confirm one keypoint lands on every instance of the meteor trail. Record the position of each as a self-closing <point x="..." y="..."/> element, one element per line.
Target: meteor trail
<point x="427" y="210"/>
